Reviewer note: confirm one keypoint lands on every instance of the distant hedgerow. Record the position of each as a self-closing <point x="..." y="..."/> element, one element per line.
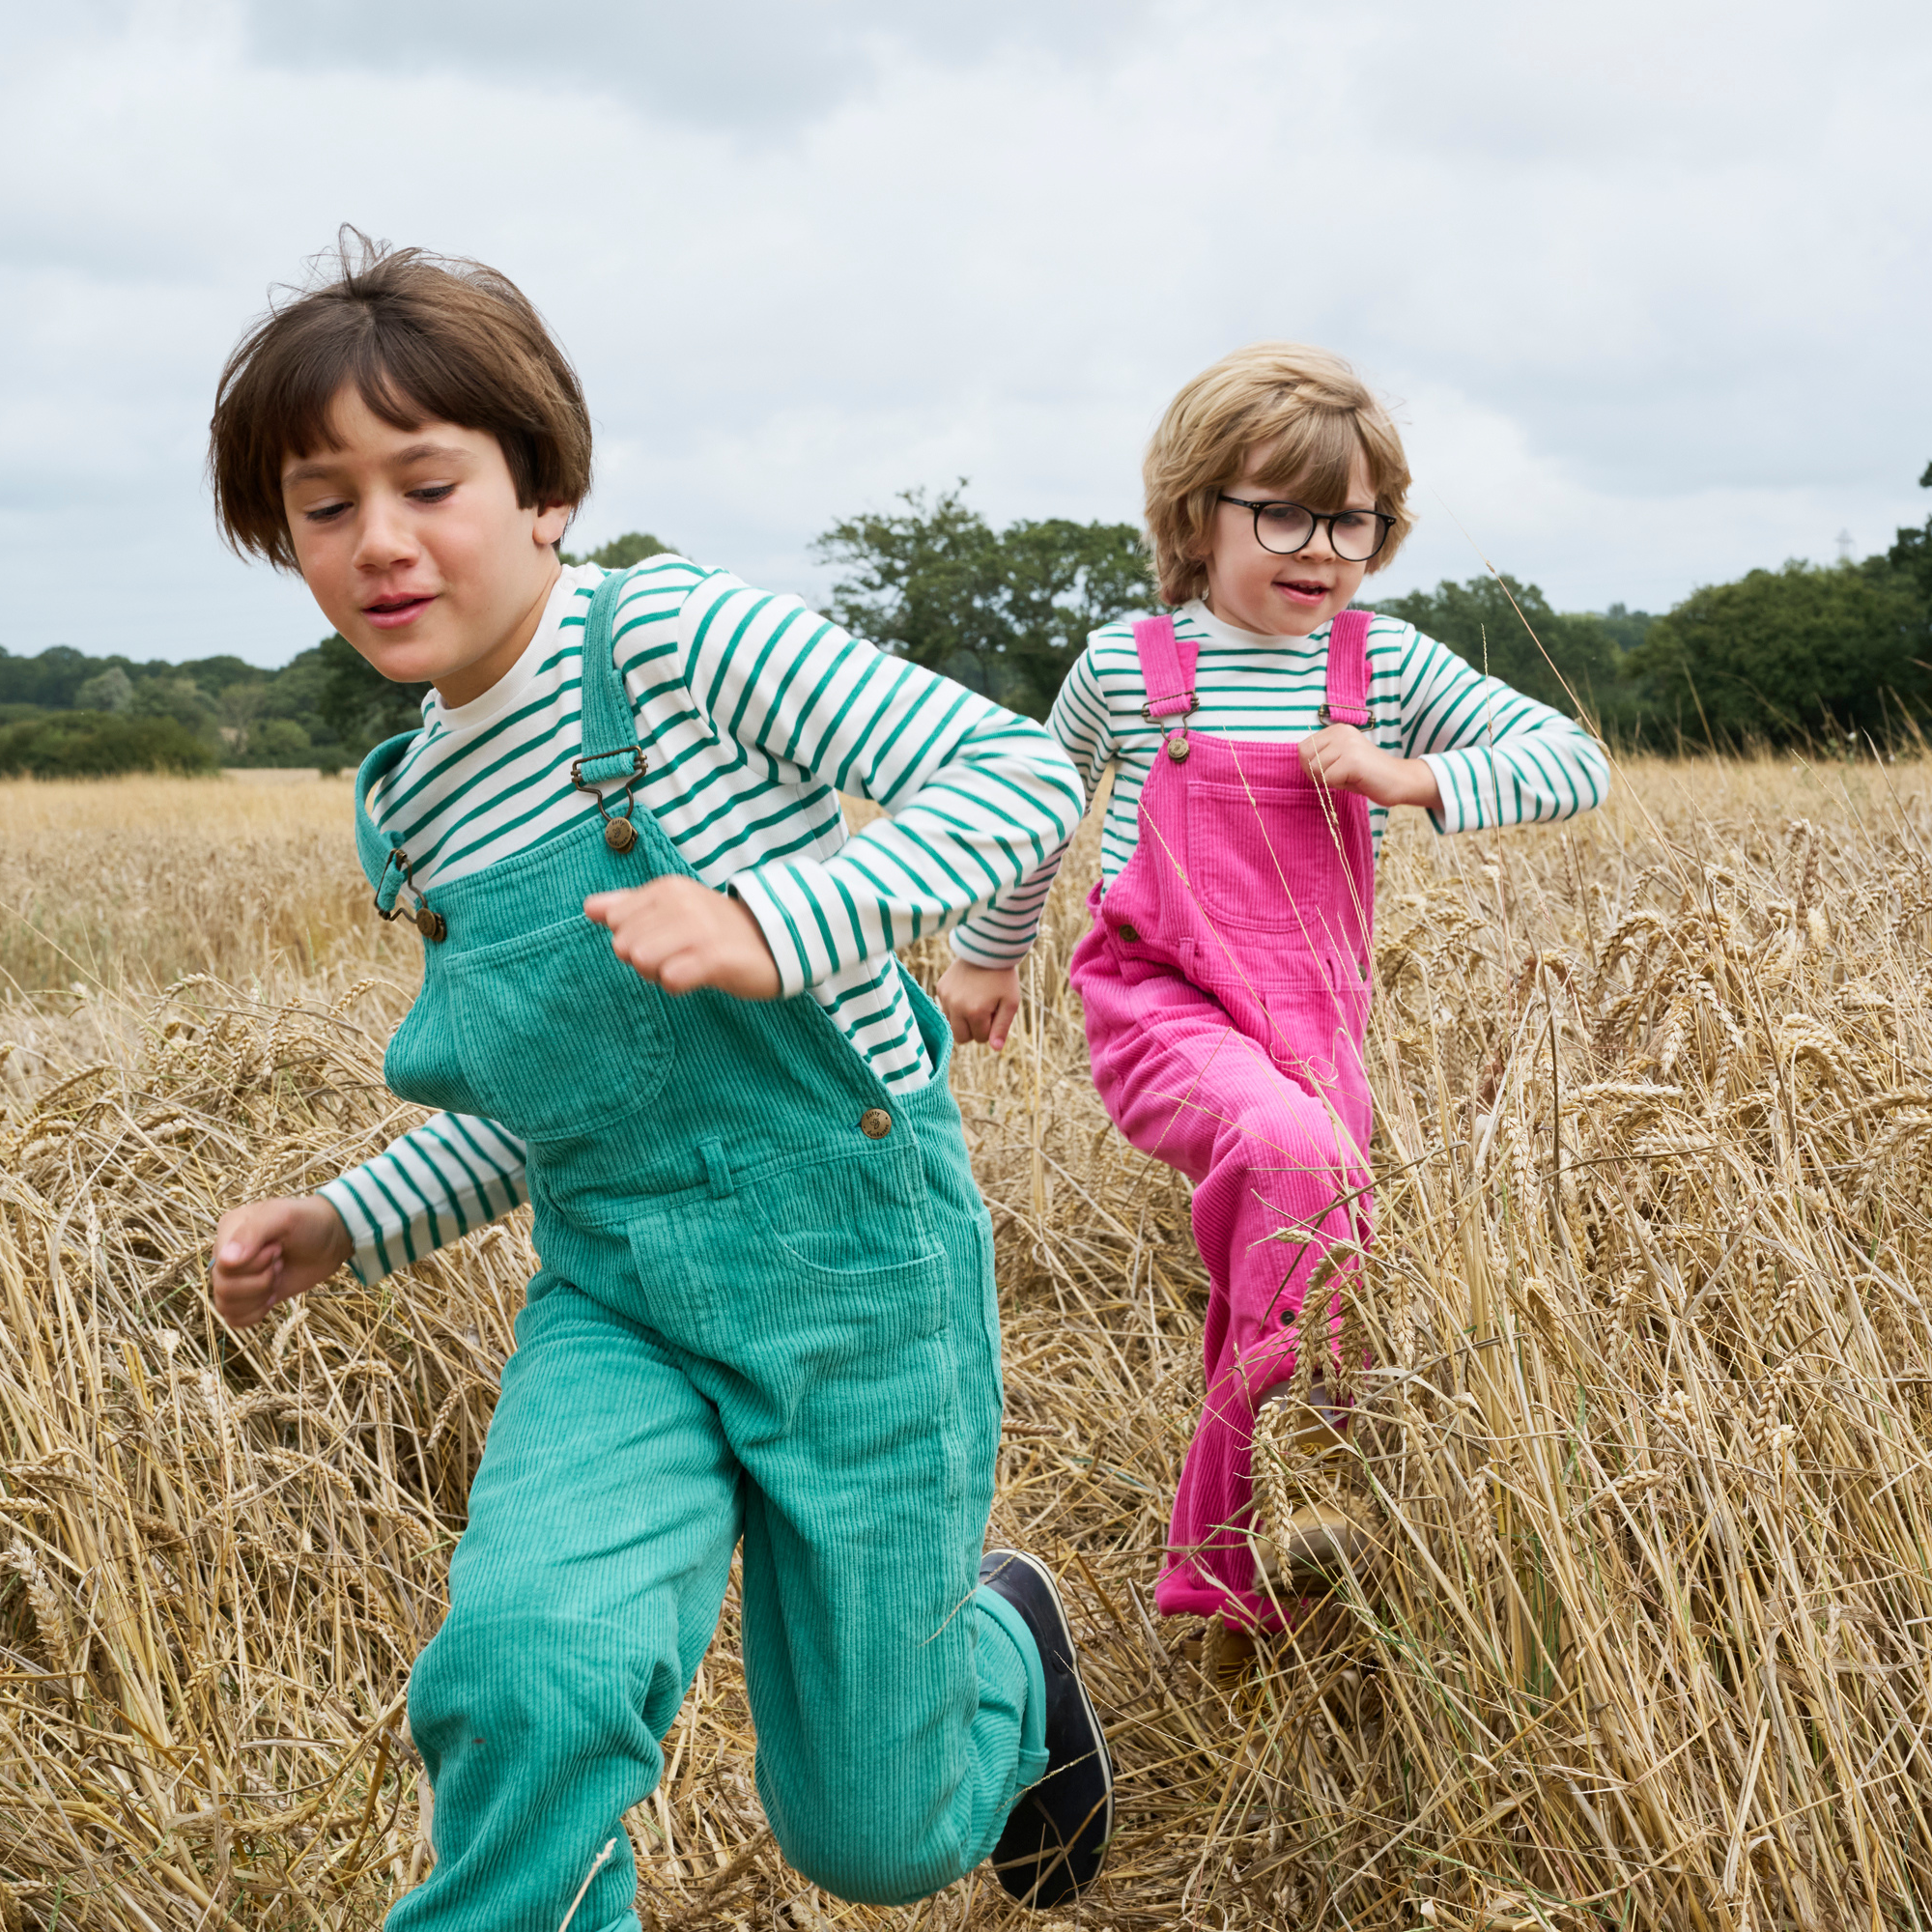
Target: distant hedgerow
<point x="99" y="744"/>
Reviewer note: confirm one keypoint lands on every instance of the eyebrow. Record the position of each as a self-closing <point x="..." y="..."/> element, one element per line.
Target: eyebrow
<point x="416" y="452"/>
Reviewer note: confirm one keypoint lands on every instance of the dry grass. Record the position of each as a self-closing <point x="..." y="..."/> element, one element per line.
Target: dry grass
<point x="1648" y="1641"/>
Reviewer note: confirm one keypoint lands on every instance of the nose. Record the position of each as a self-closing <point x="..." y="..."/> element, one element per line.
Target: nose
<point x="383" y="537"/>
<point x="1320" y="542"/>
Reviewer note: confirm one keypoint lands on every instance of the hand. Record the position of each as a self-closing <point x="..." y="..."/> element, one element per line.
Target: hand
<point x="272" y="1251"/>
<point x="1341" y="758"/>
<point x="981" y="1001"/>
<point x="681" y="935"/>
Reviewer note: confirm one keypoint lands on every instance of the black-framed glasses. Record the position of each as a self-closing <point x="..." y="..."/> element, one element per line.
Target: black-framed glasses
<point x="1353" y="535"/>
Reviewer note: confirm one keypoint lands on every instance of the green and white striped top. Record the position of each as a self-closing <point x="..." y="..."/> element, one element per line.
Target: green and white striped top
<point x="1499" y="757"/>
<point x="757" y="714"/>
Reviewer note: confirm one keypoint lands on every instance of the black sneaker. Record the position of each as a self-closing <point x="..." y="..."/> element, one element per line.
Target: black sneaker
<point x="1055" y="1836"/>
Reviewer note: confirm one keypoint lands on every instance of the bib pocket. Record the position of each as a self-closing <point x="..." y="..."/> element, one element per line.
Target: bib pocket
<point x="1248" y="852"/>
<point x="556" y="1038"/>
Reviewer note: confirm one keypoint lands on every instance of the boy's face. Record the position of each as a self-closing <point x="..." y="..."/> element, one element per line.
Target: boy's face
<point x="1253" y="588"/>
<point x="415" y="545"/>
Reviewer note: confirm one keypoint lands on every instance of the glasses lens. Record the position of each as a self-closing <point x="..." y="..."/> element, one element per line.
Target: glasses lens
<point x="1357" y="535"/>
<point x="1282" y="528"/>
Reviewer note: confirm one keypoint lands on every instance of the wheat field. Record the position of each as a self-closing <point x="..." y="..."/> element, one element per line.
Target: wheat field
<point x="1646" y="1640"/>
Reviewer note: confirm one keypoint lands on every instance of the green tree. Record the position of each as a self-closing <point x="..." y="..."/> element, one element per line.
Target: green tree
<point x="1006" y="611"/>
<point x="1627" y="628"/>
<point x="240" y="706"/>
<point x="177" y="697"/>
<point x="280" y="741"/>
<point x="620" y="553"/>
<point x="1911" y="554"/>
<point x="359" y="704"/>
<point x="1489" y="620"/>
<point x="49" y="679"/>
<point x="1782" y="654"/>
<point x="110" y="690"/>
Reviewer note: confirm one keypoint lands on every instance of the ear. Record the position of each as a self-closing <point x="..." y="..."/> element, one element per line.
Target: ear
<point x="552" y="520"/>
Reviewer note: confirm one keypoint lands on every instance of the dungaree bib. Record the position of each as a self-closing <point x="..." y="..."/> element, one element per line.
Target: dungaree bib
<point x="765" y="1304"/>
<point x="1226" y="984"/>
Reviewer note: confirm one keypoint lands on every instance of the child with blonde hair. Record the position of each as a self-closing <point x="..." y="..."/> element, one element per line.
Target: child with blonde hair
<point x="1260" y="737"/>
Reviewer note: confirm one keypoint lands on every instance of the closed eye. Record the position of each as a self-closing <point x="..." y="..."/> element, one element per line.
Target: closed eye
<point x="433" y="493"/>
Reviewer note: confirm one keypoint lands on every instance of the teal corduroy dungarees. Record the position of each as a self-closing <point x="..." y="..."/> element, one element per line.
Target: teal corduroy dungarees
<point x="753" y="1316"/>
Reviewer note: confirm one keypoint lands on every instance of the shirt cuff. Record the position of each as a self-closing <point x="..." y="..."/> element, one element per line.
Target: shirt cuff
<point x="366" y="1255"/>
<point x="780" y="898"/>
<point x="980" y="948"/>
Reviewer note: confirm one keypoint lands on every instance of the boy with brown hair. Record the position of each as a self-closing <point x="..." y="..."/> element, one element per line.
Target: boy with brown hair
<point x="660" y="1003"/>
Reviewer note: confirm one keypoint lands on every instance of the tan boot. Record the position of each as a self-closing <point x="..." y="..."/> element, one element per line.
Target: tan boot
<point x="1321" y="1539"/>
<point x="1226" y="1655"/>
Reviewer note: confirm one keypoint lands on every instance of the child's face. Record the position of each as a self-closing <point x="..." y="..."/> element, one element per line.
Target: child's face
<point x="1253" y="588"/>
<point x="415" y="545"/>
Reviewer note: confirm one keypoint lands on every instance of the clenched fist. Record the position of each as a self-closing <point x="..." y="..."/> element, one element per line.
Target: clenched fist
<point x="272" y="1251"/>
<point x="681" y="935"/>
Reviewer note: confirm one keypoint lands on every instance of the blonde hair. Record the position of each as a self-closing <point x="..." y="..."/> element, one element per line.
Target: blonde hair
<point x="1314" y="415"/>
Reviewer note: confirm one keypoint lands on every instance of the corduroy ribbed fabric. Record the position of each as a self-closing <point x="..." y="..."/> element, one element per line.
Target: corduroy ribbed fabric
<point x="765" y="1308"/>
<point x="1225" y="985"/>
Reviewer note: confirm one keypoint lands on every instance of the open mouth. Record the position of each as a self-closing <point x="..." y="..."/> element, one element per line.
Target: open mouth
<point x="386" y="614"/>
<point x="1303" y="589"/>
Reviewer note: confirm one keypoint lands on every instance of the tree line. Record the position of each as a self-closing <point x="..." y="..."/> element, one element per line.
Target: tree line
<point x="1801" y="653"/>
<point x="1804" y="653"/>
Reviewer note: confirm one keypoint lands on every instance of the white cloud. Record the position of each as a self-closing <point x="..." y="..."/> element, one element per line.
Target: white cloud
<point x="1650" y="284"/>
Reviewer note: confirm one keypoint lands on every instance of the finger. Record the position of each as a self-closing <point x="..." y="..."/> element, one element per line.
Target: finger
<point x="246" y="1251"/>
<point x="1004" y="1015"/>
<point x="685" y="972"/>
<point x="641" y="947"/>
<point x="242" y="1313"/>
<point x="609" y="908"/>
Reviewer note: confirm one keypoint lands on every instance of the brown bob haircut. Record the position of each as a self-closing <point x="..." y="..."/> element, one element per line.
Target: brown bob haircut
<point x="1311" y="413"/>
<point x="424" y="338"/>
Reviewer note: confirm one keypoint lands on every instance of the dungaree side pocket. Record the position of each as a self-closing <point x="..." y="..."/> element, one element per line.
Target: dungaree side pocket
<point x="556" y="1038"/>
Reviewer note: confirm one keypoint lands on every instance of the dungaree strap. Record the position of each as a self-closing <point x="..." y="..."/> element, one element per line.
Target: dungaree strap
<point x="610" y="730"/>
<point x="1348" y="670"/>
<point x="609" y="743"/>
<point x="1167" y="667"/>
<point x="371" y="848"/>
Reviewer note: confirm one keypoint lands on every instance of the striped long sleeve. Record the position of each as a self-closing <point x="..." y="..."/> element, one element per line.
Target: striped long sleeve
<point x="1499" y="757"/>
<point x="976" y="798"/>
<point x="436" y="1184"/>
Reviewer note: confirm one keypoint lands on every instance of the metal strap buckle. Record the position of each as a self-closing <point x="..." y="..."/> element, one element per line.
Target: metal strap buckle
<point x="431" y="925"/>
<point x="583" y="783"/>
<point x="619" y="834"/>
<point x="1147" y="709"/>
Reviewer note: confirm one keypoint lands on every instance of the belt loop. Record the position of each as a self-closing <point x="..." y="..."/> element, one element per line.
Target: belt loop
<point x="717" y="1170"/>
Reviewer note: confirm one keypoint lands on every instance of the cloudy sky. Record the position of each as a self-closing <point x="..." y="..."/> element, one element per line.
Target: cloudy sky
<point x="1648" y="284"/>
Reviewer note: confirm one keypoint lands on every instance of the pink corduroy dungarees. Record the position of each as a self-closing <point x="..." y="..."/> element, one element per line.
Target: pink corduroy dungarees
<point x="1226" y="984"/>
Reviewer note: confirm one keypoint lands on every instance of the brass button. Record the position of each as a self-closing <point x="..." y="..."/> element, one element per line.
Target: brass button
<point x="1132" y="937"/>
<point x="875" y="1123"/>
<point x="619" y="834"/>
<point x="432" y="925"/>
